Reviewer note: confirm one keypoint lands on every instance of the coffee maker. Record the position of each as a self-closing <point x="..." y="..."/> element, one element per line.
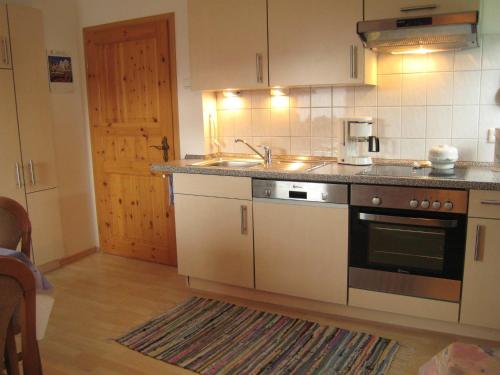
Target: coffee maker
<point x="356" y="141"/>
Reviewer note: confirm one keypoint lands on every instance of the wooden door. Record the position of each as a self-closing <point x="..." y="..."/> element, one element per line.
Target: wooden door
<point x="314" y="42"/>
<point x="29" y="59"/>
<point x="5" y="60"/>
<point x="215" y="239"/>
<point x="228" y="44"/>
<point x="132" y="99"/>
<point x="11" y="183"/>
<point x="480" y="304"/>
<point x="301" y="249"/>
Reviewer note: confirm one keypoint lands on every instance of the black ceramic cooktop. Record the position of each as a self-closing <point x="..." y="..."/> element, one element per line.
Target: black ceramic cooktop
<point x="407" y="171"/>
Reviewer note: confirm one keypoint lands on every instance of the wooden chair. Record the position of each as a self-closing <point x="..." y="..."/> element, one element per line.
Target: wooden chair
<point x="15" y="228"/>
<point x="17" y="288"/>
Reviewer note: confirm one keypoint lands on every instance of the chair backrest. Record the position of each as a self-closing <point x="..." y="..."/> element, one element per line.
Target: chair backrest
<point x="15" y="226"/>
<point x="17" y="282"/>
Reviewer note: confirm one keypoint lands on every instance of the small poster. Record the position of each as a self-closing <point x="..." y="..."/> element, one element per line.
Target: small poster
<point x="60" y="72"/>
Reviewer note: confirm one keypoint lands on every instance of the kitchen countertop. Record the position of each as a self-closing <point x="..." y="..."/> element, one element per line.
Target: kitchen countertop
<point x="470" y="176"/>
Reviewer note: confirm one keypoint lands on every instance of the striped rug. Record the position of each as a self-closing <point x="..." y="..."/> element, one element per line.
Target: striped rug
<point x="214" y="337"/>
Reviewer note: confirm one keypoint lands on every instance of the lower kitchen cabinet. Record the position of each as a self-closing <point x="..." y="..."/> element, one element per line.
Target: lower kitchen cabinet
<point x="301" y="249"/>
<point x="480" y="302"/>
<point x="215" y="239"/>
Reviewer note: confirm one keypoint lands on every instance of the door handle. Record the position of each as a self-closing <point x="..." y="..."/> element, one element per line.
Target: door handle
<point x="163" y="147"/>
<point x="244" y="219"/>
<point x="5" y="51"/>
<point x="32" y="172"/>
<point x="18" y="176"/>
<point x="354" y="62"/>
<point x="258" y="67"/>
<point x="477" y="245"/>
<point x="491" y="203"/>
<point x="418" y="7"/>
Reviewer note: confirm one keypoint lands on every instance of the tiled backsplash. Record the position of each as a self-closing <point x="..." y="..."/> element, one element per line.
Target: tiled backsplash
<point x="420" y="101"/>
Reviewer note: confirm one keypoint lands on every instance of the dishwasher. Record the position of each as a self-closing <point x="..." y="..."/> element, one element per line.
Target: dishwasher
<point x="301" y="239"/>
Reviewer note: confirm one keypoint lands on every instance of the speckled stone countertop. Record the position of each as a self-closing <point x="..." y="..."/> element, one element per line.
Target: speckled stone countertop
<point x="468" y="176"/>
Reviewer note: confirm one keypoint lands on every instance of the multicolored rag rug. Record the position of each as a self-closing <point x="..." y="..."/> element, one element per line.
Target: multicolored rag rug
<point x="214" y="337"/>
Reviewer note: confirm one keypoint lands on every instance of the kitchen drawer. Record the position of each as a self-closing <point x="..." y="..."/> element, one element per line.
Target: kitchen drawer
<point x="213" y="186"/>
<point x="398" y="304"/>
<point x="484" y="203"/>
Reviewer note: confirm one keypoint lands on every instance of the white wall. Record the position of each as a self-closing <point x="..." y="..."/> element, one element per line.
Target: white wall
<point x="96" y="12"/>
<point x="70" y="130"/>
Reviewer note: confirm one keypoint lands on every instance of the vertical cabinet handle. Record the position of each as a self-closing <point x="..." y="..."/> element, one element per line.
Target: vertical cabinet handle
<point x="5" y="51"/>
<point x="259" y="68"/>
<point x="32" y="172"/>
<point x="244" y="219"/>
<point x="354" y="62"/>
<point x="477" y="245"/>
<point x="18" y="176"/>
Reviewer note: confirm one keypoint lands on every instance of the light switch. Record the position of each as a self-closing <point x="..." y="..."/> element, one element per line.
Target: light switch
<point x="491" y="135"/>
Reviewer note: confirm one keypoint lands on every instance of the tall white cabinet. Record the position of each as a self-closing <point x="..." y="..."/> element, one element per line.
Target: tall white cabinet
<point x="27" y="163"/>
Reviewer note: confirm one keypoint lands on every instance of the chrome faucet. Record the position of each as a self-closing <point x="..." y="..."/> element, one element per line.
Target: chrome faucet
<point x="267" y="157"/>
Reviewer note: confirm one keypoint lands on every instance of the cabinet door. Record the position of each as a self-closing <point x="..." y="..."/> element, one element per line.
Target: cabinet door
<point x="215" y="239"/>
<point x="314" y="42"/>
<point x="5" y="60"/>
<point x="301" y="250"/>
<point x="228" y="44"/>
<point x="32" y="93"/>
<point x="11" y="183"/>
<point x="380" y="9"/>
<point x="480" y="305"/>
<point x="45" y="216"/>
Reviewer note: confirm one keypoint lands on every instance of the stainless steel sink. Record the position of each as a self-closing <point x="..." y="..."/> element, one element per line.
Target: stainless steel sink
<point x="229" y="163"/>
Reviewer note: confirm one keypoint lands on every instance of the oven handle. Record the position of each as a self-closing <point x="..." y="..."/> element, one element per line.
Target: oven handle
<point x="421" y="222"/>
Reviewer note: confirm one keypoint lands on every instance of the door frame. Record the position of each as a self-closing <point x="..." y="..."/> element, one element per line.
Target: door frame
<point x="170" y="19"/>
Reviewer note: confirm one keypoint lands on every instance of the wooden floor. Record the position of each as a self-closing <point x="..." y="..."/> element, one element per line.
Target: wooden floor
<point x="103" y="296"/>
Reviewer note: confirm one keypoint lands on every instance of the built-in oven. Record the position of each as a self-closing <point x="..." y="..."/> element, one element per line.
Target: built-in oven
<point x="408" y="241"/>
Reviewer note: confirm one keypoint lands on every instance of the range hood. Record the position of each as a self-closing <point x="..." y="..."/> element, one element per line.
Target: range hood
<point x="441" y="32"/>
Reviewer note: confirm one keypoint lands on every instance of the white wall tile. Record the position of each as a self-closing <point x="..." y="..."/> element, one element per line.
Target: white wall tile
<point x="415" y="63"/>
<point x="338" y="113"/>
<point x="439" y="88"/>
<point x="242" y="122"/>
<point x="300" y="97"/>
<point x="468" y="59"/>
<point x="321" y="146"/>
<point x="321" y="122"/>
<point x="321" y="97"/>
<point x="485" y="151"/>
<point x="343" y="96"/>
<point x="301" y="146"/>
<point x="280" y="145"/>
<point x="465" y="121"/>
<point x="466" y="86"/>
<point x="365" y="96"/>
<point x="300" y="121"/>
<point x="389" y="90"/>
<point x="261" y="122"/>
<point x="489" y="117"/>
<point x="240" y="148"/>
<point x="439" y="122"/>
<point x="261" y="99"/>
<point x="227" y="144"/>
<point x="413" y="149"/>
<point x="467" y="149"/>
<point x="440" y="61"/>
<point x="280" y="122"/>
<point x="262" y="141"/>
<point x="389" y="64"/>
<point x="389" y="122"/>
<point x="225" y="122"/>
<point x="390" y="148"/>
<point x="414" y="89"/>
<point x="491" y="51"/>
<point x="490" y="87"/>
<point x="413" y="122"/>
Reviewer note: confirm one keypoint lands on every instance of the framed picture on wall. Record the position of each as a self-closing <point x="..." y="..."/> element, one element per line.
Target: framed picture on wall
<point x="60" y="71"/>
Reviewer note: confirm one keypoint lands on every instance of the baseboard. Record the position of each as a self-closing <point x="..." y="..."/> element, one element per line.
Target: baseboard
<point x="346" y="312"/>
<point x="58" y="263"/>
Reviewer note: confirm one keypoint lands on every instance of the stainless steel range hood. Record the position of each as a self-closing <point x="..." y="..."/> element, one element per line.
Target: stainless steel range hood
<point x="442" y="32"/>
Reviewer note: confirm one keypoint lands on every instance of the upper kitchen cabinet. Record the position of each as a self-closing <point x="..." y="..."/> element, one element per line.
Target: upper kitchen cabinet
<point x="380" y="9"/>
<point x="314" y="42"/>
<point x="5" y="61"/>
<point x="32" y="96"/>
<point x="228" y="44"/>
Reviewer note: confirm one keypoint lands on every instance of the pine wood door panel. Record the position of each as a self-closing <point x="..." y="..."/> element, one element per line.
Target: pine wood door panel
<point x="132" y="106"/>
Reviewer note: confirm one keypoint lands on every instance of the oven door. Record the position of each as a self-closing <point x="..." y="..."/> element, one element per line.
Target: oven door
<point x="403" y="248"/>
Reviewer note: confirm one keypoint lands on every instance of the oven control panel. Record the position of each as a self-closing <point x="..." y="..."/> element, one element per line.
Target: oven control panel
<point x="409" y="198"/>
